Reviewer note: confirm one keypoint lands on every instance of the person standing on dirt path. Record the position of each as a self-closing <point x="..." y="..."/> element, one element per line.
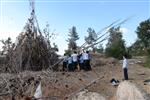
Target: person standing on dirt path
<point x="89" y="59"/>
<point x="75" y="60"/>
<point x="86" y="60"/>
<point x="125" y="67"/>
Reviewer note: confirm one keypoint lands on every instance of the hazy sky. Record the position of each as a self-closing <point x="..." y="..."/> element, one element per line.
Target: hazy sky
<point x="63" y="14"/>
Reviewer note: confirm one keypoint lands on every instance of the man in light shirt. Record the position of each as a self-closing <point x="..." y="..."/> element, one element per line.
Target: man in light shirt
<point x="86" y="59"/>
<point x="81" y="61"/>
<point x="125" y="67"/>
<point x="74" y="60"/>
<point x="69" y="63"/>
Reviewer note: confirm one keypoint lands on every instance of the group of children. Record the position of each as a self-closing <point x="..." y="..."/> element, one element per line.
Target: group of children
<point x="77" y="61"/>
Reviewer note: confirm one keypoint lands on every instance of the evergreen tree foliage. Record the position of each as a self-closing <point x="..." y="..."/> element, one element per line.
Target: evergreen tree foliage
<point x="91" y="38"/>
<point x="143" y="33"/>
<point x="73" y="37"/>
<point x="116" y="45"/>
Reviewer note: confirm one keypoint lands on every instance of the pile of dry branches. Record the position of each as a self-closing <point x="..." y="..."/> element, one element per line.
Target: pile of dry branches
<point x="23" y="84"/>
<point x="32" y="50"/>
<point x="31" y="54"/>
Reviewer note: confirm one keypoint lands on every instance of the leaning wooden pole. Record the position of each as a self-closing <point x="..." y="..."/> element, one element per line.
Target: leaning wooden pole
<point x="103" y="29"/>
<point x="86" y="86"/>
<point x="110" y="26"/>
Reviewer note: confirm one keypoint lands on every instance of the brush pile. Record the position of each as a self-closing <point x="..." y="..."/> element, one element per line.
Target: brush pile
<point x="23" y="84"/>
<point x="31" y="51"/>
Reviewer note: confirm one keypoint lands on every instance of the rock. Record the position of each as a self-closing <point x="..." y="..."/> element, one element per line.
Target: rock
<point x="129" y="91"/>
<point x="85" y="95"/>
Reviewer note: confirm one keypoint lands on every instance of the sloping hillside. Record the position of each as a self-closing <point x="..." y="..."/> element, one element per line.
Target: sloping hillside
<point x="63" y="85"/>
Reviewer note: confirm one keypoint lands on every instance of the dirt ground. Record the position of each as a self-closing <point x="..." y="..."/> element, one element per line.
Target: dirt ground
<point x="67" y="84"/>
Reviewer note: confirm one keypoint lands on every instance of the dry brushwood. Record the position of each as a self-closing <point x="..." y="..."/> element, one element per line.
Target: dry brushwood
<point x="31" y="51"/>
<point x="23" y="84"/>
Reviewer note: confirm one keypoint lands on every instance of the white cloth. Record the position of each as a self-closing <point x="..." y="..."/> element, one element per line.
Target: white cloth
<point x="74" y="57"/>
<point x="85" y="56"/>
<point x="38" y="92"/>
<point x="125" y="63"/>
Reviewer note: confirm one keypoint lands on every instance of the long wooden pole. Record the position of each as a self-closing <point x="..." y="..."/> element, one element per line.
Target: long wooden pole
<point x="101" y="31"/>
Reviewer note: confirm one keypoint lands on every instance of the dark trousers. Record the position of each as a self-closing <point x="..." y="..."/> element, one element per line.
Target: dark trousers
<point x="75" y="65"/>
<point x="70" y="67"/>
<point x="81" y="66"/>
<point x="87" y="65"/>
<point x="125" y="73"/>
<point x="64" y="66"/>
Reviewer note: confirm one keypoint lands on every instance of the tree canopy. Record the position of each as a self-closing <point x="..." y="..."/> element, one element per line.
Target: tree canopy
<point x="116" y="45"/>
<point x="143" y="33"/>
<point x="91" y="38"/>
<point x="73" y="37"/>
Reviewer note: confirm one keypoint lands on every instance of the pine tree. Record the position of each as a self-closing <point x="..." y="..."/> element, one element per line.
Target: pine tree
<point x="73" y="37"/>
<point x="91" y="38"/>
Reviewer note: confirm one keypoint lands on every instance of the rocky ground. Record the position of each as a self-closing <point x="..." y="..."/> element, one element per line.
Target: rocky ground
<point x="63" y="85"/>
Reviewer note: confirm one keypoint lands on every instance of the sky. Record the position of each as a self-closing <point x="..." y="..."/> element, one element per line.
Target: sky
<point x="63" y="14"/>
